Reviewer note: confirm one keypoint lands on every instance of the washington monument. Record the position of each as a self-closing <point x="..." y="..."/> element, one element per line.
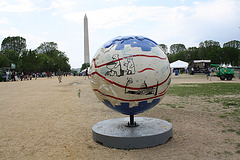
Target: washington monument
<point x="86" y="41"/>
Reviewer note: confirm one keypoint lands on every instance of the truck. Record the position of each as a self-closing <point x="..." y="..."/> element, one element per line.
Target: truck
<point x="223" y="72"/>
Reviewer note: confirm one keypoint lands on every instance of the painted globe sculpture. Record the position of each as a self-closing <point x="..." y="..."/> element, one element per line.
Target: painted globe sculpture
<point x="130" y="74"/>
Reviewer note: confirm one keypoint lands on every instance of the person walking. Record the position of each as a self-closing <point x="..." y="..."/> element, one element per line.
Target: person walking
<point x="59" y="74"/>
<point x="13" y="76"/>
<point x="86" y="73"/>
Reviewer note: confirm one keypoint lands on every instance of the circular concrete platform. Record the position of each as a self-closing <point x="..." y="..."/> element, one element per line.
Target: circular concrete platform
<point x="114" y="133"/>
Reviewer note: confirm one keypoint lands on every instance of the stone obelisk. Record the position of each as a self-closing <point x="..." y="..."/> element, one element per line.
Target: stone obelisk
<point x="86" y="41"/>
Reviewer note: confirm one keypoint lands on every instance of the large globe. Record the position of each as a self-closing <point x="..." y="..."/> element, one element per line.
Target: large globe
<point x="130" y="74"/>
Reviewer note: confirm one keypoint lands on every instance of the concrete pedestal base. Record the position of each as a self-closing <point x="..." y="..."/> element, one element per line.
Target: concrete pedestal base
<point x="114" y="133"/>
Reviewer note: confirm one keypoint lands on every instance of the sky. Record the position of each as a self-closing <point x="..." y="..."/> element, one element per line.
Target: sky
<point x="168" y="22"/>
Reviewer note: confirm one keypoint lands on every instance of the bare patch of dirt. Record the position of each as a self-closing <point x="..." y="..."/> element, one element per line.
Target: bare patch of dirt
<point x="44" y="119"/>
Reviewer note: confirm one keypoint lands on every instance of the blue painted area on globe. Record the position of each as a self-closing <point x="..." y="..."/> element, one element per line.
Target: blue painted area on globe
<point x="125" y="109"/>
<point x="130" y="74"/>
<point x="135" y="41"/>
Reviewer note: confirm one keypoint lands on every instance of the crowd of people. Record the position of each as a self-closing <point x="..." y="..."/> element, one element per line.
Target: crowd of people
<point x="12" y="75"/>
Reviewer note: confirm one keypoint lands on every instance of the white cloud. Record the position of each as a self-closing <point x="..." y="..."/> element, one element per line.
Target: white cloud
<point x="9" y="32"/>
<point x="111" y="0"/>
<point x="180" y="24"/>
<point x="4" y="21"/>
<point x="62" y="6"/>
<point x="188" y="23"/>
<point x="216" y="10"/>
<point x="212" y="20"/>
<point x="33" y="41"/>
<point x="116" y="16"/>
<point x="17" y="6"/>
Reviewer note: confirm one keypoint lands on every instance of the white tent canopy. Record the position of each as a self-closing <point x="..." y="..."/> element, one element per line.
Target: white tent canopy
<point x="179" y="64"/>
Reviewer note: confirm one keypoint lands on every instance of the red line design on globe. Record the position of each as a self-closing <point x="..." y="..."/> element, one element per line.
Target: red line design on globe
<point x="137" y="55"/>
<point x="146" y="70"/>
<point x="122" y="86"/>
<point x="131" y="100"/>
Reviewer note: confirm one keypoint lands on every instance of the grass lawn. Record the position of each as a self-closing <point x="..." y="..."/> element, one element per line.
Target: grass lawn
<point x="200" y="89"/>
<point x="226" y="96"/>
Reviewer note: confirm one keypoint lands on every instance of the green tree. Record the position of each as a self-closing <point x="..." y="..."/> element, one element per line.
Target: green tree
<point x="238" y="64"/>
<point x="84" y="66"/>
<point x="4" y="61"/>
<point x="47" y="48"/>
<point x="232" y="44"/>
<point x="164" y="47"/>
<point x="53" y="59"/>
<point x="45" y="58"/>
<point x="176" y="48"/>
<point x="170" y="57"/>
<point x="180" y="56"/>
<point x="206" y="47"/>
<point x="17" y="44"/>
<point x="27" y="61"/>
<point x="192" y="54"/>
<point x="42" y="62"/>
<point x="62" y="62"/>
<point x="11" y="55"/>
<point x="216" y="56"/>
<point x="230" y="55"/>
<point x="12" y="48"/>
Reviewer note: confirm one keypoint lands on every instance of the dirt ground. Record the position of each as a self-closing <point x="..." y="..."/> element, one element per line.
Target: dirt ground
<point x="44" y="119"/>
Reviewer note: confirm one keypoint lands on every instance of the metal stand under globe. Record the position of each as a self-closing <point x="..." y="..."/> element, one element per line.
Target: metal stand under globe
<point x="147" y="132"/>
<point x="132" y="123"/>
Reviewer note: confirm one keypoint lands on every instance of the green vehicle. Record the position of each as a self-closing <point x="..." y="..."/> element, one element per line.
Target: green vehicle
<point x="224" y="73"/>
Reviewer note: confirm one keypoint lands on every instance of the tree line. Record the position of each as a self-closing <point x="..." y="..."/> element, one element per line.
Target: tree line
<point x="207" y="50"/>
<point x="45" y="58"/>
